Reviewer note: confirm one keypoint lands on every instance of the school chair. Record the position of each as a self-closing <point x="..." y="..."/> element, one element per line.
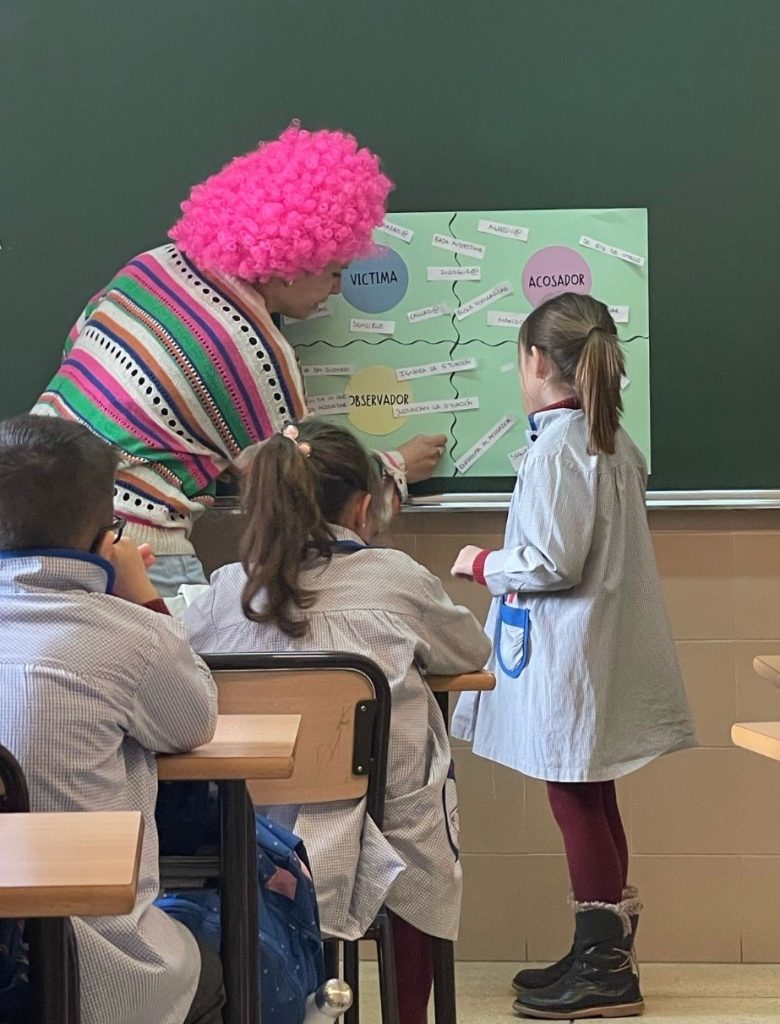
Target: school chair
<point x="344" y="700"/>
<point x="50" y="975"/>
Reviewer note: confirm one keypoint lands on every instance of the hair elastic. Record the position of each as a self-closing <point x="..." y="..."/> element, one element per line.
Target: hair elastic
<point x="291" y="433"/>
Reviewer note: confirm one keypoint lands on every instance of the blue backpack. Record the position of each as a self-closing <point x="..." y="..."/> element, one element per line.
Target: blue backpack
<point x="14" y="976"/>
<point x="290" y="942"/>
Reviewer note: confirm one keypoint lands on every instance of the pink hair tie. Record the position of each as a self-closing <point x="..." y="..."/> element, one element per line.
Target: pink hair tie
<point x="291" y="433"/>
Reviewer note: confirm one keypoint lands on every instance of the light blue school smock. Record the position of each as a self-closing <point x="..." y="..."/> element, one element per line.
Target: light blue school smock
<point x="588" y="683"/>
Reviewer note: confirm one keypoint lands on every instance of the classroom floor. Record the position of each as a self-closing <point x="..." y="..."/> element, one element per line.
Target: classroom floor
<point x="694" y="993"/>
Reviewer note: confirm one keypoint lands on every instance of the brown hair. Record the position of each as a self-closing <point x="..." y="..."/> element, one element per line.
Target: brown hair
<point x="290" y="498"/>
<point x="580" y="337"/>
<point x="56" y="483"/>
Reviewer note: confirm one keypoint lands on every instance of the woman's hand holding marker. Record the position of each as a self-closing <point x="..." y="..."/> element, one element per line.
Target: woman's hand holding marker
<point x="422" y="455"/>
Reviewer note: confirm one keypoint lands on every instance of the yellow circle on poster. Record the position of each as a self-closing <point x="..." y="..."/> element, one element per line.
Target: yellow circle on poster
<point x="374" y="393"/>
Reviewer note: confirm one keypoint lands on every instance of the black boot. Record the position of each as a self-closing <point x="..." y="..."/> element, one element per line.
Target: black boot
<point x="541" y="977"/>
<point x="601" y="981"/>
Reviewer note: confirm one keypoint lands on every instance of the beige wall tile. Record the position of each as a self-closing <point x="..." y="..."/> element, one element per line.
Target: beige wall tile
<point x="493" y="925"/>
<point x="442" y="523"/>
<point x="692" y="908"/>
<point x="542" y="835"/>
<point x="757" y="584"/>
<point x="709" y="672"/>
<point x="437" y="553"/>
<point x="697" y="576"/>
<point x="760" y="895"/>
<point x="757" y="699"/>
<point x="490" y="804"/>
<point x="680" y="803"/>
<point x="549" y="920"/>
<point x="759" y="805"/>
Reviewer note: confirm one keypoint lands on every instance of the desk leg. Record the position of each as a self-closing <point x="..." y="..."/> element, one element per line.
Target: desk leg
<point x="49" y="970"/>
<point x="443" y="700"/>
<point x="239" y="905"/>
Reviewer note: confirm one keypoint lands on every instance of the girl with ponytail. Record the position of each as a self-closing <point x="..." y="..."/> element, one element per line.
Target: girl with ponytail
<point x="310" y="581"/>
<point x="589" y="687"/>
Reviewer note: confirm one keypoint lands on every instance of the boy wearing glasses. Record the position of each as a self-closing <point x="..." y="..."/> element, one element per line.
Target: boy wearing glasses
<point x="93" y="681"/>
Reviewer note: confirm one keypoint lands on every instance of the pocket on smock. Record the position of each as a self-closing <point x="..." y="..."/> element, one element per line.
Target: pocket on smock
<point x="510" y="642"/>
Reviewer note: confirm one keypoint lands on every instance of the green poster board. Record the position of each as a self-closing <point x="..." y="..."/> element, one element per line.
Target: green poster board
<point x="423" y="338"/>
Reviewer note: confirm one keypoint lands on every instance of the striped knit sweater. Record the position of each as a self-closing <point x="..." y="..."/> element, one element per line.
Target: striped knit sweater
<point x="180" y="372"/>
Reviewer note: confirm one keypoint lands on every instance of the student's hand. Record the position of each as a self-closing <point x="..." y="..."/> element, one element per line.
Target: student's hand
<point x="464" y="563"/>
<point x="130" y="563"/>
<point x="422" y="455"/>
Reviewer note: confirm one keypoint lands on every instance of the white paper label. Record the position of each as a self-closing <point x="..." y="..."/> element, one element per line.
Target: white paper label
<point x="405" y="234"/>
<point x="429" y="312"/>
<point x="328" y="405"/>
<point x="516" y="457"/>
<point x="441" y="405"/>
<point x="495" y="227"/>
<point x="328" y="371"/>
<point x="611" y="250"/>
<point x="619" y="314"/>
<point x="372" y="326"/>
<point x="477" y="450"/>
<point x="454" y="273"/>
<point x="459" y="245"/>
<point x="485" y="299"/>
<point x="434" y="369"/>
<point x="497" y="318"/>
<point x="323" y="309"/>
<point x="508" y="367"/>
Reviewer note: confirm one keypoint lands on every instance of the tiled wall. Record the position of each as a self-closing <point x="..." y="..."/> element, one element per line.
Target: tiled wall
<point x="704" y="825"/>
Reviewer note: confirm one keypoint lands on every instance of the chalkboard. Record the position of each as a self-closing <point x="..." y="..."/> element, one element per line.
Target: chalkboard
<point x="111" y="111"/>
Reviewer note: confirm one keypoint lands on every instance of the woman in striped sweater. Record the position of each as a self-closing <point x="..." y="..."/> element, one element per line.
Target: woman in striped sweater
<point x="178" y="362"/>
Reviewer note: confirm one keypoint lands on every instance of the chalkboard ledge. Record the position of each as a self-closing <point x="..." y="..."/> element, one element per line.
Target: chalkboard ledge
<point x="694" y="500"/>
<point x="726" y="500"/>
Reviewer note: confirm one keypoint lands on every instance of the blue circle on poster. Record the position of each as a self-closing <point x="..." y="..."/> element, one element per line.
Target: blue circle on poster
<point x="376" y="284"/>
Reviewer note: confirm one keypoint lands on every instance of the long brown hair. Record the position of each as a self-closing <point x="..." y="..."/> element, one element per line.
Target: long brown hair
<point x="580" y="337"/>
<point x="290" y="498"/>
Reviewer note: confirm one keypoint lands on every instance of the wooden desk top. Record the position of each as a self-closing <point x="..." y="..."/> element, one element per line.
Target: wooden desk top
<point x="465" y="681"/>
<point x="71" y="864"/>
<point x="244" y="747"/>
<point x="768" y="666"/>
<point x="760" y="737"/>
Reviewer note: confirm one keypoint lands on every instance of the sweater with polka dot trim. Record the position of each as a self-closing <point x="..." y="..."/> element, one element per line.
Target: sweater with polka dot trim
<point x="180" y="371"/>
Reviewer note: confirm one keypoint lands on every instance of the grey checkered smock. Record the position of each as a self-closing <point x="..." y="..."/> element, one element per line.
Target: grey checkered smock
<point x="90" y="685"/>
<point x="383" y="604"/>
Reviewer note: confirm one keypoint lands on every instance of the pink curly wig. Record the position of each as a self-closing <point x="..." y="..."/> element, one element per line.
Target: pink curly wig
<point x="288" y="208"/>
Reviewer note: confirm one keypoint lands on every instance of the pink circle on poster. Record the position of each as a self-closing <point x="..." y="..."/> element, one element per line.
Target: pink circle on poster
<point x="554" y="270"/>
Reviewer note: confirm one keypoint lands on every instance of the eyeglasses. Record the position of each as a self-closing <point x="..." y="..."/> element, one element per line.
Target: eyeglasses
<point x="117" y="527"/>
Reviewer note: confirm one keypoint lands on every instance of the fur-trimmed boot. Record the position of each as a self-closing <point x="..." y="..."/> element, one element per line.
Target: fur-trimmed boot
<point x="602" y="980"/>
<point x="541" y="977"/>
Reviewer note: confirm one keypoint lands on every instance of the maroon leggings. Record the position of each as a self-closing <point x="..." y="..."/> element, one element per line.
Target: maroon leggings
<point x="414" y="969"/>
<point x="588" y="816"/>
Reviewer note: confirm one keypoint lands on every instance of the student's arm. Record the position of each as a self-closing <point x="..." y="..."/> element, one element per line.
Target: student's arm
<point x="451" y="639"/>
<point x="557" y="511"/>
<point x="175" y="706"/>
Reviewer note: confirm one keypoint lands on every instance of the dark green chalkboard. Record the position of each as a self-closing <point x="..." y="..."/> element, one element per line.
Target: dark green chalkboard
<point x="110" y="111"/>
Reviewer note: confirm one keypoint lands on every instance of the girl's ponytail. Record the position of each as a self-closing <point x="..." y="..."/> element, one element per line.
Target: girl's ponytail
<point x="298" y="483"/>
<point x="579" y="336"/>
<point x="597" y="382"/>
<point x="279" y="495"/>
